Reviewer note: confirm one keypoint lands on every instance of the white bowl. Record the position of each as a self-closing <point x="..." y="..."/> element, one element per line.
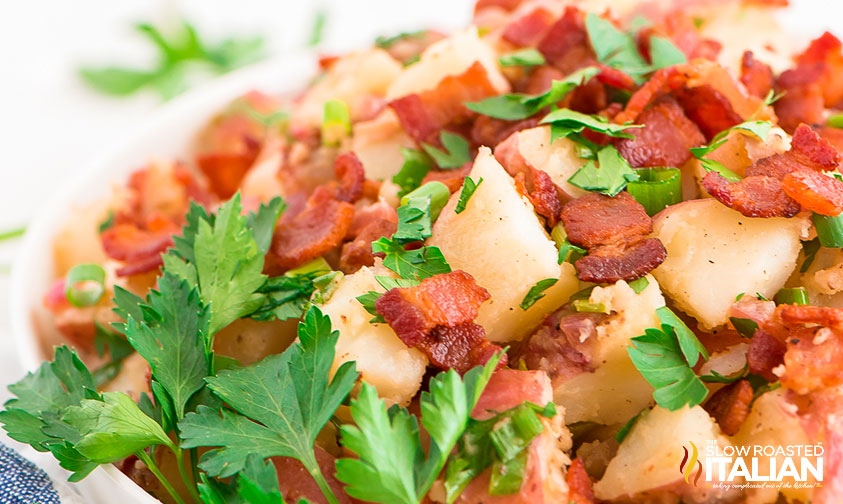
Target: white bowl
<point x="166" y="134"/>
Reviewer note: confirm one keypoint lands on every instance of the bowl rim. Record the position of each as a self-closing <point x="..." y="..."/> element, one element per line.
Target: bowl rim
<point x="282" y="74"/>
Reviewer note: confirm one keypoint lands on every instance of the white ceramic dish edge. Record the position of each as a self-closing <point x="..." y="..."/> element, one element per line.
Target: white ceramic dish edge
<point x="167" y="133"/>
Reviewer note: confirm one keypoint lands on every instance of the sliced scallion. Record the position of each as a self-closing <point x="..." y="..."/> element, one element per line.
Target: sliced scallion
<point x="829" y="230"/>
<point x="567" y="251"/>
<point x="436" y="191"/>
<point x="84" y="284"/>
<point x="797" y="296"/>
<point x="585" y="306"/>
<point x="336" y="122"/>
<point x="656" y="188"/>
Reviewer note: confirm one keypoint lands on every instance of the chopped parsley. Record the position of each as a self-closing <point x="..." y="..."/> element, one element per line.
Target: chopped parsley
<point x="536" y="292"/>
<point x="416" y="165"/>
<point x="567" y="122"/>
<point x="608" y="176"/>
<point x="761" y="129"/>
<point x="525" y="57"/>
<point x="468" y="188"/>
<point x="455" y="154"/>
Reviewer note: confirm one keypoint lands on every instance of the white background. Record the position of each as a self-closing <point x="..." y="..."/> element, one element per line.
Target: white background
<point x="51" y="125"/>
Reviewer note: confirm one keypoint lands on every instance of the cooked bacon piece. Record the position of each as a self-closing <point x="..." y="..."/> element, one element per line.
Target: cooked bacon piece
<point x="491" y="131"/>
<point x="834" y="136"/>
<point x="756" y="76"/>
<point x="594" y="219"/>
<point x="660" y="83"/>
<point x="810" y="149"/>
<point x="529" y="29"/>
<point x="825" y="54"/>
<point x="708" y="108"/>
<point x="815" y="191"/>
<point x="776" y="166"/>
<point x="807" y="314"/>
<point x="566" y="45"/>
<point x="507" y="5"/>
<point x="544" y="196"/>
<point x="606" y="265"/>
<point x="424" y="114"/>
<point x="580" y="489"/>
<point x="802" y="101"/>
<point x="139" y="248"/>
<point x="319" y="228"/>
<point x="752" y="308"/>
<point x="756" y="196"/>
<point x="541" y="78"/>
<point x="296" y="483"/>
<point x="225" y="170"/>
<point x="369" y="224"/>
<point x="446" y="299"/>
<point x="436" y="317"/>
<point x="349" y="171"/>
<point x="765" y="353"/>
<point x="453" y="179"/>
<point x="684" y="34"/>
<point x="508" y="388"/>
<point x="812" y="361"/>
<point x="665" y="139"/>
<point x="729" y="406"/>
<point x="460" y="347"/>
<point x="562" y="346"/>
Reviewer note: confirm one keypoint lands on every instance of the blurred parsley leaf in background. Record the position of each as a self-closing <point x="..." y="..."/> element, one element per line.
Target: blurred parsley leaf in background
<point x="177" y="52"/>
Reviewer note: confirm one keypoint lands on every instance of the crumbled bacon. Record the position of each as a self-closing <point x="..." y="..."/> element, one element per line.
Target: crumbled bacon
<point x="708" y="108"/>
<point x="491" y="131"/>
<point x="529" y="29"/>
<point x="319" y="228"/>
<point x="756" y="196"/>
<point x="765" y="353"/>
<point x="665" y="139"/>
<point x="139" y="248"/>
<point x="756" y="76"/>
<point x="580" y="489"/>
<point x="424" y="114"/>
<point x="225" y="170"/>
<point x="349" y="171"/>
<point x="369" y="224"/>
<point x="815" y="191"/>
<point x="436" y="317"/>
<point x="729" y="406"/>
<point x="453" y="179"/>
<point x="801" y="102"/>
<point x="563" y="344"/>
<point x="544" y="196"/>
<point x="810" y="149"/>
<point x="508" y="388"/>
<point x="661" y="82"/>
<point x="566" y="44"/>
<point x="614" y="231"/>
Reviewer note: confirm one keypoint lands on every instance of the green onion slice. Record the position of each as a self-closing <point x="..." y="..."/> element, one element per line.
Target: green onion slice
<point x="84" y="284"/>
<point x="829" y="230"/>
<point x="436" y="191"/>
<point x="656" y="188"/>
<point x="797" y="296"/>
<point x="336" y="122"/>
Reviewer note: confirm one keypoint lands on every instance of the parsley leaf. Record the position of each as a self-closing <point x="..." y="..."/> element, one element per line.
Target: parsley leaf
<point x="391" y="467"/>
<point x="416" y="165"/>
<point x="525" y="57"/>
<point x="118" y="349"/>
<point x="565" y="122"/>
<point x="624" y="431"/>
<point x="761" y="129"/>
<point x="414" y="220"/>
<point x="809" y="249"/>
<point x="280" y="405"/>
<point x="608" y="177"/>
<point x="664" y="54"/>
<point x="536" y="292"/>
<point x="745" y="327"/>
<point x="456" y="151"/>
<point x="688" y="342"/>
<point x="412" y="264"/>
<point x="468" y="188"/>
<point x="658" y="357"/>
<point x="521" y="106"/>
<point x="171" y="335"/>
<point x="263" y="222"/>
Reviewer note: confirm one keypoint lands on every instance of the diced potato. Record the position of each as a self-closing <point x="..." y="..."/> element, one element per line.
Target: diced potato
<point x="450" y="56"/>
<point x="742" y="149"/>
<point x="378" y="144"/>
<point x="648" y="458"/>
<point x="615" y="391"/>
<point x="354" y="79"/>
<point x="249" y="341"/>
<point x="773" y="422"/>
<point x="559" y="159"/>
<point x="714" y="253"/>
<point x="499" y="241"/>
<point x="262" y="181"/>
<point x="382" y="359"/>
<point x="728" y="362"/>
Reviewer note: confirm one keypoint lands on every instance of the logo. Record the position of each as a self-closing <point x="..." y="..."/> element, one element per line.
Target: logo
<point x="686" y="467"/>
<point x="753" y="466"/>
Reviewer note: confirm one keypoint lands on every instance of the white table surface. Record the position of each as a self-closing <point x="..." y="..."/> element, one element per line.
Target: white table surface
<point x="51" y="124"/>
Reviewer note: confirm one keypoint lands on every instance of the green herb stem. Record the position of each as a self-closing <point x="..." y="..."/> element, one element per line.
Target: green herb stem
<point x="188" y="480"/>
<point x="829" y="230"/>
<point x="153" y="468"/>
<point x="309" y="461"/>
<point x="12" y="233"/>
<point x="656" y="188"/>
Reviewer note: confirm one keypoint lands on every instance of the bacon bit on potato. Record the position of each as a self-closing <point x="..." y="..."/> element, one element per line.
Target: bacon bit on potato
<point x="579" y="484"/>
<point x="815" y="191"/>
<point x="729" y="406"/>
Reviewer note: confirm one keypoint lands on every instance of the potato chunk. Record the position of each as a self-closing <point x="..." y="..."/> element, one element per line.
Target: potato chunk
<point x="354" y="79"/>
<point x="648" y="458"/>
<point x="714" y="253"/>
<point x="499" y="241"/>
<point x="382" y="359"/>
<point x="378" y="144"/>
<point x="450" y="56"/>
<point x="615" y="391"/>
